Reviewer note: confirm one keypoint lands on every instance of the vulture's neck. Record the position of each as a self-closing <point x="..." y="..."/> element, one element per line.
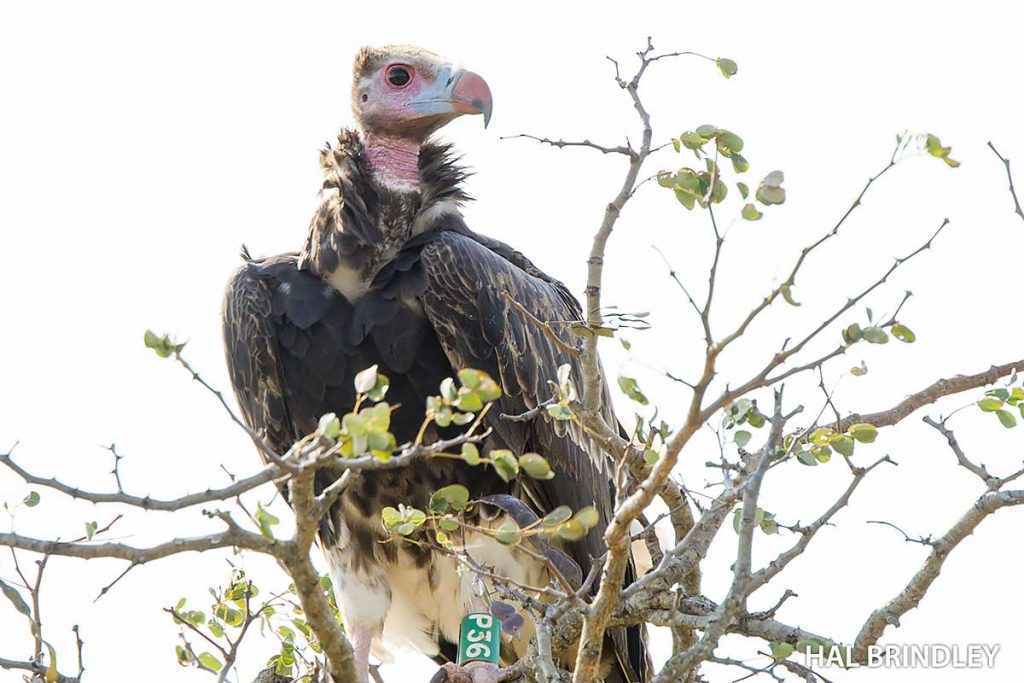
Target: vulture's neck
<point x="394" y="162"/>
<point x="364" y="218"/>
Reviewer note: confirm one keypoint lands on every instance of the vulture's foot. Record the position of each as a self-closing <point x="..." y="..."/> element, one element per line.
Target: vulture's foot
<point x="474" y="672"/>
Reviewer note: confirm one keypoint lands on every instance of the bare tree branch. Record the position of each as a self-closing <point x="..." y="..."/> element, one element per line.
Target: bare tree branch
<point x="909" y="598"/>
<point x="1009" y="176"/>
<point x="931" y="394"/>
<point x="581" y="143"/>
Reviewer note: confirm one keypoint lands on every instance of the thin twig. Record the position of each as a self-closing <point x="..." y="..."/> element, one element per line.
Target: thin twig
<point x="1009" y="176"/>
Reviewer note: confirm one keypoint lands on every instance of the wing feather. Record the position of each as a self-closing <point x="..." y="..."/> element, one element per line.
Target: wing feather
<point x="478" y="327"/>
<point x="251" y="348"/>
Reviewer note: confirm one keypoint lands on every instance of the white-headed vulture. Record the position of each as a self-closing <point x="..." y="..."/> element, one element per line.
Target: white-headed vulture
<point x="390" y="275"/>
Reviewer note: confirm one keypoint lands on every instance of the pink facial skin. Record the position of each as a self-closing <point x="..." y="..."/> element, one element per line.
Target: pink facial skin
<point x="403" y="103"/>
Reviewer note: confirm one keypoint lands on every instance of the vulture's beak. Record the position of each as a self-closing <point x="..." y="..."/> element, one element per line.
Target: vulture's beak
<point x="456" y="91"/>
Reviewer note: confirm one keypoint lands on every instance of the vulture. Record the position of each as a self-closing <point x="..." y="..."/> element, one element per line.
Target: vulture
<point x="390" y="275"/>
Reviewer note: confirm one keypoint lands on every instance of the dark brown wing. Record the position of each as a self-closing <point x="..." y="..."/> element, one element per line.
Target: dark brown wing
<point x="251" y="350"/>
<point x="478" y="327"/>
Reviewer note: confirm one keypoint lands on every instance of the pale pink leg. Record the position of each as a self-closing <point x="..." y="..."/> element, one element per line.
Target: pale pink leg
<point x="362" y="638"/>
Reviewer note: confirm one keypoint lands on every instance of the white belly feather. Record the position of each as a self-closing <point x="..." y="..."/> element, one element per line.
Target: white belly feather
<point x="411" y="607"/>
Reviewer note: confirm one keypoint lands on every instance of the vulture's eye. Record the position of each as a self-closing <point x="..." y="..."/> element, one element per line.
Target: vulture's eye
<point x="399" y="76"/>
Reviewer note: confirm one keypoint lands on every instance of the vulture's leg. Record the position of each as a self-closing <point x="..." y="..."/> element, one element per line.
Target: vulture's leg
<point x="362" y="639"/>
<point x="473" y="672"/>
<point x="364" y="598"/>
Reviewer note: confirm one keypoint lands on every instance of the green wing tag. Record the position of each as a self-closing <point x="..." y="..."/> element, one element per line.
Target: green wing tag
<point x="479" y="638"/>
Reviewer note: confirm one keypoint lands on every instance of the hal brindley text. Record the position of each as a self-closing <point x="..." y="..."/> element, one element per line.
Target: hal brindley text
<point x="914" y="656"/>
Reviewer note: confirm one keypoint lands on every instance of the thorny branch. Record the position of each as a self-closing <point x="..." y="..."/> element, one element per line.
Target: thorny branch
<point x="690" y="549"/>
<point x="1009" y="176"/>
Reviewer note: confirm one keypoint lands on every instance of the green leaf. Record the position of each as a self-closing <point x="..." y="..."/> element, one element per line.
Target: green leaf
<point x="787" y="294"/>
<point x="380" y="388"/>
<point x="727" y="67"/>
<point x="505" y="463"/>
<point x="990" y="404"/>
<point x="51" y="666"/>
<point x="488" y="390"/>
<point x="686" y="197"/>
<point x="843" y="445"/>
<point x="731" y="141"/>
<point x="903" y="333"/>
<point x="354" y="425"/>
<point x="770" y="190"/>
<point x="875" y="335"/>
<point x="265" y="520"/>
<point x="572" y="530"/>
<point x="744" y="190"/>
<point x="1007" y="418"/>
<point x="15" y="597"/>
<point x="809" y="645"/>
<point x="806" y="458"/>
<point x="90" y="530"/>
<point x="535" y="466"/>
<point x="329" y="426"/>
<point x="587" y="516"/>
<point x="934" y="147"/>
<point x="470" y="378"/>
<point x="750" y="212"/>
<point x="453" y="496"/>
<point x="193" y="617"/>
<point x="161" y="344"/>
<point x="859" y="370"/>
<point x="741" y="438"/>
<point x="471" y="454"/>
<point x="390" y="517"/>
<point x="366" y="380"/>
<point x="781" y="650"/>
<point x="692" y="140"/>
<point x="651" y="456"/>
<point x="630" y="388"/>
<point x="210" y="662"/>
<point x="1000" y="393"/>
<point x="560" y="514"/>
<point x="32" y="499"/>
<point x="508" y="533"/>
<point x="863" y="432"/>
<point x="740" y="164"/>
<point x="821" y="435"/>
<point x="449" y="391"/>
<point x="470" y="402"/>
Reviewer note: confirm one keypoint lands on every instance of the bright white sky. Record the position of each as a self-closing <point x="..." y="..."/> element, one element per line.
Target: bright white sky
<point x="141" y="145"/>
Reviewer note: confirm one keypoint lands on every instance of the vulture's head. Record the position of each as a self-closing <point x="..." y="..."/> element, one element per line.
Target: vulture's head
<point x="406" y="92"/>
